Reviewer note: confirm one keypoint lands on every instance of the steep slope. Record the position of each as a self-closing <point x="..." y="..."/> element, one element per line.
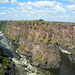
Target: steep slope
<point x="41" y="40"/>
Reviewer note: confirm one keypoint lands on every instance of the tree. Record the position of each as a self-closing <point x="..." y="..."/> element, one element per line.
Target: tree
<point x="41" y="20"/>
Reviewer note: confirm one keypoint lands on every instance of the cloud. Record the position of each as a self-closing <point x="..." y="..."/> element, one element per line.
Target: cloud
<point x="73" y="1"/>
<point x="38" y="9"/>
<point x="24" y="6"/>
<point x="3" y="13"/>
<point x="14" y="2"/>
<point x="4" y="1"/>
<point x="24" y="11"/>
<point x="42" y="4"/>
<point x="2" y="7"/>
<point x="7" y="11"/>
<point x="57" y="8"/>
<point x="52" y="6"/>
<point x="71" y="8"/>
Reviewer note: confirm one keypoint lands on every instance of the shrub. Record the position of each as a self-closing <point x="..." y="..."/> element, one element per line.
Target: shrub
<point x="18" y="40"/>
<point x="44" y="37"/>
<point x="13" y="40"/>
<point x="48" y="42"/>
<point x="57" y="43"/>
<point x="27" y="52"/>
<point x="49" y="39"/>
<point x="31" y="27"/>
<point x="35" y="27"/>
<point x="41" y="20"/>
<point x="45" y="61"/>
<point x="8" y="36"/>
<point x="2" y="72"/>
<point x="26" y="36"/>
<point x="41" y="39"/>
<point x="22" y="47"/>
<point x="73" y="50"/>
<point x="3" y="26"/>
<point x="67" y="46"/>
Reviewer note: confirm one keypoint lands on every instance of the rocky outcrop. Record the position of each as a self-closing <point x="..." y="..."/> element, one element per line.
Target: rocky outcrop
<point x="44" y="56"/>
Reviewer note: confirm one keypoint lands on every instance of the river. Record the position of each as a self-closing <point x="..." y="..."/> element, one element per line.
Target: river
<point x="23" y="66"/>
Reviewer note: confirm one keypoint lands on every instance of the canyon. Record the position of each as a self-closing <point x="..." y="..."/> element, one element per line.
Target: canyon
<point x="42" y="41"/>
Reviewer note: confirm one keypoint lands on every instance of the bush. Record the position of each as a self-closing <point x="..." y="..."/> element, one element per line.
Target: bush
<point x="18" y="40"/>
<point x="35" y="27"/>
<point x="49" y="39"/>
<point x="41" y="39"/>
<point x="67" y="46"/>
<point x="73" y="50"/>
<point x="22" y="47"/>
<point x="13" y="40"/>
<point x="26" y="36"/>
<point x="31" y="27"/>
<point x="45" y="61"/>
<point x="57" y="43"/>
<point x="28" y="52"/>
<point x="41" y="20"/>
<point x="3" y="26"/>
<point x="2" y="72"/>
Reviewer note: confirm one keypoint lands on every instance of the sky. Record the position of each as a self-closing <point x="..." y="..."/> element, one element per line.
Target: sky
<point x="48" y="10"/>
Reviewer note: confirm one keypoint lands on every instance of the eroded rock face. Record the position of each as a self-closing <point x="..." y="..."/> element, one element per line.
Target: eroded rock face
<point x="45" y="56"/>
<point x="38" y="39"/>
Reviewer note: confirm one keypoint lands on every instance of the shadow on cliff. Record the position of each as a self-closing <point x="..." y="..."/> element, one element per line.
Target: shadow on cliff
<point x="7" y="51"/>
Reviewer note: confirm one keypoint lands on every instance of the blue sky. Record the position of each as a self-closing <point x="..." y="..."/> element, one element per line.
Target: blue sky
<point x="48" y="10"/>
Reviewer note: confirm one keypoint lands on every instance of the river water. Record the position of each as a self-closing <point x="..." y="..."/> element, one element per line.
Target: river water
<point x="23" y="66"/>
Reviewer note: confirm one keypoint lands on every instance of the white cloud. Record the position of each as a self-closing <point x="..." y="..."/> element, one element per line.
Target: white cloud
<point x="30" y="9"/>
<point x="52" y="6"/>
<point x="14" y="2"/>
<point x="2" y="7"/>
<point x="7" y="11"/>
<point x="71" y="8"/>
<point x="73" y="1"/>
<point x="31" y="12"/>
<point x="24" y="6"/>
<point x="4" y="1"/>
<point x="3" y="13"/>
<point x="42" y="4"/>
<point x="57" y="8"/>
<point x="12" y="9"/>
<point x="24" y="11"/>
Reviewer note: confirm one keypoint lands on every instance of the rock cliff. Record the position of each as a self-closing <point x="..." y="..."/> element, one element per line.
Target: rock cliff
<point x="40" y="40"/>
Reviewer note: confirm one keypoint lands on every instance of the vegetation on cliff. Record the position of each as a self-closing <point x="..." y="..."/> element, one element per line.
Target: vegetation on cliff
<point x="40" y="40"/>
<point x="2" y="25"/>
<point x="6" y="65"/>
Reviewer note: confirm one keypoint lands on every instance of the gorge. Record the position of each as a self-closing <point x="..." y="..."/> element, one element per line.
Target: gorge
<point x="40" y="44"/>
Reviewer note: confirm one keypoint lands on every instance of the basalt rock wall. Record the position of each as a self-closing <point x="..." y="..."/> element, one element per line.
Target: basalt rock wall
<point x="40" y="40"/>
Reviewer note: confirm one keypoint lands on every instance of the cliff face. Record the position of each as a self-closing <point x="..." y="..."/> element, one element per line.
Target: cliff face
<point x="40" y="40"/>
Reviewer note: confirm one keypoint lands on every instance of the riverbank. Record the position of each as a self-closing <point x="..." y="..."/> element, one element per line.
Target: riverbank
<point x="7" y="66"/>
